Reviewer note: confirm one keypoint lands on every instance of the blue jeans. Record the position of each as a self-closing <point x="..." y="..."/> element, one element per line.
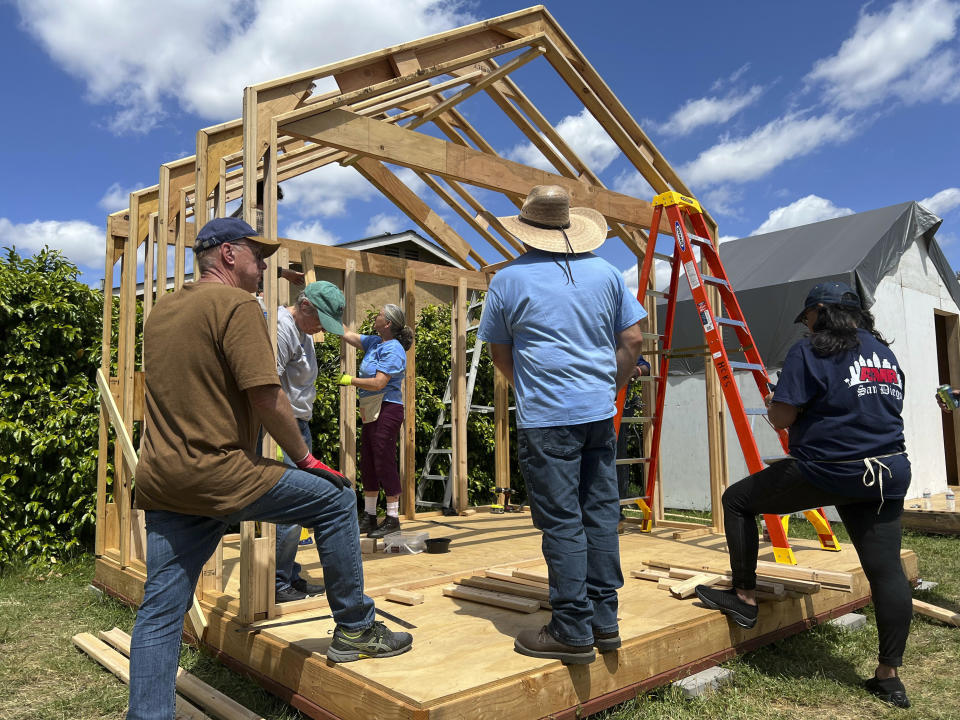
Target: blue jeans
<point x="288" y="536"/>
<point x="571" y="477"/>
<point x="178" y="546"/>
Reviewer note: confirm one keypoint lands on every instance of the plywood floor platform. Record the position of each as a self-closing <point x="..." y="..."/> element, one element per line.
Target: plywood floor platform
<point x="463" y="665"/>
<point x="936" y="520"/>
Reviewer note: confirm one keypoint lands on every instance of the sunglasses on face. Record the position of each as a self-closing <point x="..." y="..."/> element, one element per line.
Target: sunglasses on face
<point x="256" y="252"/>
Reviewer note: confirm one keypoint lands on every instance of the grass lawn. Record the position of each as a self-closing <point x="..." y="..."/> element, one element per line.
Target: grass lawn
<point x="811" y="675"/>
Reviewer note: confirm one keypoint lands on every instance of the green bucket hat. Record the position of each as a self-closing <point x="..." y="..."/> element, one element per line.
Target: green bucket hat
<point x="328" y="301"/>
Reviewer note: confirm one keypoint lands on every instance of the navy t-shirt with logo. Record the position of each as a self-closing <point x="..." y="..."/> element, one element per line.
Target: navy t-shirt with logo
<point x="851" y="406"/>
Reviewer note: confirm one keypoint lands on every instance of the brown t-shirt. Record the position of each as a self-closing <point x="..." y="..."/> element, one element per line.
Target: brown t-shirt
<point x="203" y="346"/>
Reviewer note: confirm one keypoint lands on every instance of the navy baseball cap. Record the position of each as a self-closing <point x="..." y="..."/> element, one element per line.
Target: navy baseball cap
<point x="230" y="229"/>
<point x="830" y="293"/>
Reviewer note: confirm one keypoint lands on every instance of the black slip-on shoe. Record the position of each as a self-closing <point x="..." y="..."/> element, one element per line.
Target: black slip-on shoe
<point x="288" y="594"/>
<point x="727" y="602"/>
<point x="890" y="690"/>
<point x="307" y="587"/>
<point x="541" y="644"/>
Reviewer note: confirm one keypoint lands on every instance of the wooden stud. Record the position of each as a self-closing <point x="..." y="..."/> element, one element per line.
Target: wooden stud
<point x="501" y="431"/>
<point x="458" y="396"/>
<point x="409" y="291"/>
<point x="507" y="587"/>
<point x="539" y="577"/>
<point x="486" y="597"/>
<point x="686" y="588"/>
<point x="348" y="394"/>
<point x="937" y="613"/>
<point x="405" y="597"/>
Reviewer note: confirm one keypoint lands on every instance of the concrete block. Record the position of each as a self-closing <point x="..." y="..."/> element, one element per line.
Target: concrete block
<point x="926" y="585"/>
<point x="705" y="681"/>
<point x="850" y="621"/>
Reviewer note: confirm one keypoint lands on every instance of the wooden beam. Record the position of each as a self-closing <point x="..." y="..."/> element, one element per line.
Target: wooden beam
<point x="348" y="394"/>
<point x="414" y="208"/>
<point x="116" y="419"/>
<point x="349" y="131"/>
<point x="497" y="599"/>
<point x="937" y="613"/>
<point x="501" y="431"/>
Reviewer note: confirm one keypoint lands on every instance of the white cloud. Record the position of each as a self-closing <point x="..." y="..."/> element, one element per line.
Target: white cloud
<point x="896" y="52"/>
<point x="661" y="269"/>
<point x="943" y="202"/>
<point x="80" y="241"/>
<point x="806" y="210"/>
<point x="722" y="200"/>
<point x="313" y="232"/>
<point x="708" y="111"/>
<point x="409" y="178"/>
<point x="116" y="197"/>
<point x="140" y="56"/>
<point x="632" y="183"/>
<point x="325" y="191"/>
<point x="384" y="223"/>
<point x="752" y="157"/>
<point x="585" y="137"/>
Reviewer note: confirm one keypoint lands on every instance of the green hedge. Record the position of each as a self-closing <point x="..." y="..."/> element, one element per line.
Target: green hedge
<point x="50" y="326"/>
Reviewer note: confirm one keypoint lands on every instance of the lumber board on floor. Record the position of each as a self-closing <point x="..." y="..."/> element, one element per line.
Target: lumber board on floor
<point x="190" y="686"/>
<point x="119" y="665"/>
<point x="487" y="597"/>
<point x="937" y="613"/>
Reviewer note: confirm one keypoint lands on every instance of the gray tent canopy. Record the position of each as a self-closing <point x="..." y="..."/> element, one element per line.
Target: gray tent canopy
<point x="772" y="273"/>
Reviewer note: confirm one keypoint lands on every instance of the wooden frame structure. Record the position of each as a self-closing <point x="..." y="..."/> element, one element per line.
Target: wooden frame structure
<point x="399" y="106"/>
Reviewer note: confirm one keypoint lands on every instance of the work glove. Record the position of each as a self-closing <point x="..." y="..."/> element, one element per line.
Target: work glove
<point x="345" y="379"/>
<point x="315" y="467"/>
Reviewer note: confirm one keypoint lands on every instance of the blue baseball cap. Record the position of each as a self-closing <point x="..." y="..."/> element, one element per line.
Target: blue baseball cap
<point x="230" y="229"/>
<point x="830" y="293"/>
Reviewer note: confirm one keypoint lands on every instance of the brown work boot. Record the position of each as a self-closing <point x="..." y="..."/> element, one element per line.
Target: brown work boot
<point x="606" y="642"/>
<point x="541" y="644"/>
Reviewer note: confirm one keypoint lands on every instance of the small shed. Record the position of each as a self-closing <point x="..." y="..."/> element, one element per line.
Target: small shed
<point x="890" y="255"/>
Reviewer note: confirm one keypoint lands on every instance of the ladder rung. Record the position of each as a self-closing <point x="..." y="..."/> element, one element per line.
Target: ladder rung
<point x="474" y="305"/>
<point x="446" y="425"/>
<point x="635" y="419"/>
<point x="631" y="501"/>
<point x="755" y="411"/>
<point x="661" y="256"/>
<point x="709" y="279"/>
<point x="471" y="328"/>
<point x="697" y="240"/>
<point x="631" y="461"/>
<point x="658" y="294"/>
<point x="433" y="477"/>
<point x="736" y="365"/>
<point x="482" y="408"/>
<point x="775" y="458"/>
<point x="651" y="336"/>
<point x="440" y="451"/>
<point x="731" y="322"/>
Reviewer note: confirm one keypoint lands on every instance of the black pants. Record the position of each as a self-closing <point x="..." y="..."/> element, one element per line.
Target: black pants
<point x="782" y="488"/>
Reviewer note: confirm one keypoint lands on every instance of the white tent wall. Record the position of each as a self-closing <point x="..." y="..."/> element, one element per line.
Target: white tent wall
<point x="904" y="312"/>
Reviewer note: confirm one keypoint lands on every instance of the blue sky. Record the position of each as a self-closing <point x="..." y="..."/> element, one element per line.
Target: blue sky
<point x="775" y="114"/>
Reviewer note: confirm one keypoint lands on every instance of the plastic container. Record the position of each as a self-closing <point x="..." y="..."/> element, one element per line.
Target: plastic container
<point x="405" y="543"/>
<point x="927" y="500"/>
<point x="438" y="545"/>
<point x="951" y="501"/>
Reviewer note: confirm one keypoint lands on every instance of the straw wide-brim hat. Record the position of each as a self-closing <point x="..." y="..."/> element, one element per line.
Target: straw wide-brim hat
<point x="547" y="222"/>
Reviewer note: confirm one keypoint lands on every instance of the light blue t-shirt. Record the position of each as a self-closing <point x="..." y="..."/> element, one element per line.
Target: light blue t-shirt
<point x="563" y="334"/>
<point x="387" y="357"/>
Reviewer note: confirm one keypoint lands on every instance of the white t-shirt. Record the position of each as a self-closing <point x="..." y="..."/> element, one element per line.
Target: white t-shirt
<point x="296" y="365"/>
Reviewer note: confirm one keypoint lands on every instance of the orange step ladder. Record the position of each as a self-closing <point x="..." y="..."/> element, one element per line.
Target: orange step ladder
<point x="680" y="208"/>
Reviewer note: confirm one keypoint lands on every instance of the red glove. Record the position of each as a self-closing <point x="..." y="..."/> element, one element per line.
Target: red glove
<point x="315" y="467"/>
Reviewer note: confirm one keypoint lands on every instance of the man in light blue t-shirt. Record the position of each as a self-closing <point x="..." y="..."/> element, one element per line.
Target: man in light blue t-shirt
<point x="562" y="328"/>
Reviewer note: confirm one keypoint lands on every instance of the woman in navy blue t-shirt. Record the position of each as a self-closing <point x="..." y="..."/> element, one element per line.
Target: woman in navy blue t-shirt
<point x="840" y="393"/>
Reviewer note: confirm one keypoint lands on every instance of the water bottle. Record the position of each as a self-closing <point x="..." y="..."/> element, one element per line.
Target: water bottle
<point x="927" y="500"/>
<point x="951" y="501"/>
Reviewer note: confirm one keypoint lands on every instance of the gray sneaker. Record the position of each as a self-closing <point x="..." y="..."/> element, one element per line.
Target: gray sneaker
<point x="376" y="641"/>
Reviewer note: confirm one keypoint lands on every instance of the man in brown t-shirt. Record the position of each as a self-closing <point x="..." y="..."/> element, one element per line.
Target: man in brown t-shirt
<point x="211" y="381"/>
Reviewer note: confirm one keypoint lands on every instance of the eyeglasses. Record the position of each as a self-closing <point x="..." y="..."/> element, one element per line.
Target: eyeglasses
<point x="256" y="252"/>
